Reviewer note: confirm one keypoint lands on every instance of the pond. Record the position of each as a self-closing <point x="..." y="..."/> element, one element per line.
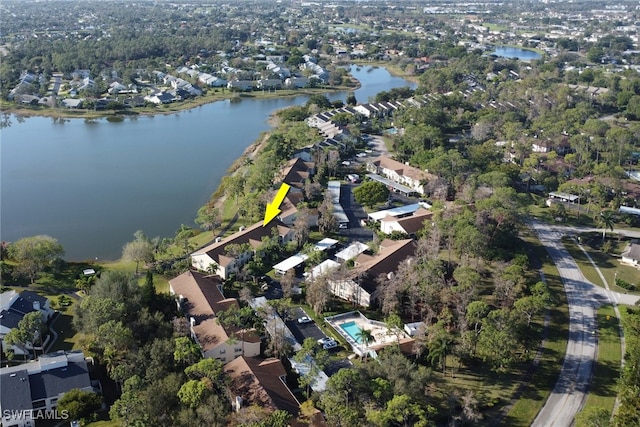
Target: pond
<point x="517" y="53"/>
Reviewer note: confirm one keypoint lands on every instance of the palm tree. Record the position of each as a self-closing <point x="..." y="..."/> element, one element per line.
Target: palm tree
<point x="606" y="220"/>
<point x="365" y="337"/>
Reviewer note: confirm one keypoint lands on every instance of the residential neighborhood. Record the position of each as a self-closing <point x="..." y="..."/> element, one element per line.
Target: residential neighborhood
<point x="460" y="248"/>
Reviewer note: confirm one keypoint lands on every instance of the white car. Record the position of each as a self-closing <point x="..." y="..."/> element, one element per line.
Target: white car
<point x="327" y="343"/>
<point x="304" y="319"/>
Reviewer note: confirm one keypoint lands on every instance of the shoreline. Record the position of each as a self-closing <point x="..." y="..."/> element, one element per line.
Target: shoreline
<point x="167" y="109"/>
<point x="7" y="107"/>
<point x="217" y="197"/>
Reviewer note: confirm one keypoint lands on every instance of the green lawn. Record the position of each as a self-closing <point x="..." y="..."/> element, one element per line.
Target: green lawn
<point x="67" y="336"/>
<point x="609" y="266"/>
<point x="602" y="393"/>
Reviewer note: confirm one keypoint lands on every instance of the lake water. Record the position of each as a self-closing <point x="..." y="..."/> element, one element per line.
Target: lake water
<point x="92" y="185"/>
<point x="514" y="52"/>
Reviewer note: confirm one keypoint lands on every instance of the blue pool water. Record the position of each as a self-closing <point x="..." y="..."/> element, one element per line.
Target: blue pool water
<point x="352" y="330"/>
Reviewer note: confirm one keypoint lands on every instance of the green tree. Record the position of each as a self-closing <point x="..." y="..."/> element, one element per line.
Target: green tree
<point x="497" y="343"/>
<point x="606" y="220"/>
<point x="400" y="411"/>
<point x="209" y="217"/>
<point x="182" y="238"/>
<point x="439" y="343"/>
<point x="33" y="254"/>
<point x="186" y="351"/>
<point x="314" y="358"/>
<point x="364" y="337"/>
<point x="138" y="250"/>
<point x="193" y="392"/>
<point x="28" y="333"/>
<point x="371" y="193"/>
<point x="213" y="369"/>
<point x="243" y="319"/>
<point x="79" y="404"/>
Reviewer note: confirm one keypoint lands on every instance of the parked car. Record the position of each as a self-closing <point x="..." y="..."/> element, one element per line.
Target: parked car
<point x="328" y="343"/>
<point x="304" y="319"/>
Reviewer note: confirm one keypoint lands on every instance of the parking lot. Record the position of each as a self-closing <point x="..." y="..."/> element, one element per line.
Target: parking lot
<point x="303" y="330"/>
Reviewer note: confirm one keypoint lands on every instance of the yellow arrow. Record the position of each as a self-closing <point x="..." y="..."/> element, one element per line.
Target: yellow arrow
<point x="273" y="208"/>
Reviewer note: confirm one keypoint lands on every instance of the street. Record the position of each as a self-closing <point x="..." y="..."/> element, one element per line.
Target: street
<point x="583" y="299"/>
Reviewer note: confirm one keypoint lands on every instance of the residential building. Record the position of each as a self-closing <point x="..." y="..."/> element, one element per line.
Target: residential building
<point x="216" y="257"/>
<point x="296" y="172"/>
<point x="240" y="85"/>
<point x="269" y="84"/>
<point x="200" y="299"/>
<point x="631" y="254"/>
<point x="261" y="382"/>
<point x="160" y="98"/>
<point x="409" y="225"/>
<point x="351" y="251"/>
<point x="30" y="389"/>
<point x="360" y="282"/>
<point x="401" y="173"/>
<point x="13" y="307"/>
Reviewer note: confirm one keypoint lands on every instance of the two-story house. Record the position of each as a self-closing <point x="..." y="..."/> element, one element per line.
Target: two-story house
<point x="361" y="282"/>
<point x="30" y="389"/>
<point x="200" y="299"/>
<point x="400" y="173"/>
<point x="217" y="257"/>
<point x="13" y="307"/>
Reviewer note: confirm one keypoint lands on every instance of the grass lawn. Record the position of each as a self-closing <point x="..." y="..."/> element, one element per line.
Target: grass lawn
<point x="544" y="378"/>
<point x="67" y="336"/>
<point x="109" y="423"/>
<point x="609" y="266"/>
<point x="602" y="393"/>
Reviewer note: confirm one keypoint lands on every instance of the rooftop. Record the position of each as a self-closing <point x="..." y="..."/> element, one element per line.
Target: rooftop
<point x="261" y="382"/>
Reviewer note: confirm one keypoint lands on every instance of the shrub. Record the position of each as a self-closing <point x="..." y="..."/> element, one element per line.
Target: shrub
<point x="625" y="285"/>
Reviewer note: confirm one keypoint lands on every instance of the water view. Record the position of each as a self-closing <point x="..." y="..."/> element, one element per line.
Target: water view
<point x="517" y="53"/>
<point x="91" y="185"/>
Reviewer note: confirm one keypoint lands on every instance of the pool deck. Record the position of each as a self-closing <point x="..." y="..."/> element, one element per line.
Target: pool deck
<point x="381" y="333"/>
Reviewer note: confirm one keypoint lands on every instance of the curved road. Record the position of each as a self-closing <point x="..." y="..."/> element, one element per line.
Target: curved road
<point x="583" y="298"/>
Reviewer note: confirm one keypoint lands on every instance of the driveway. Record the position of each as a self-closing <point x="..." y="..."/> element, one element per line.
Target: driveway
<point x="303" y="330"/>
<point x="355" y="213"/>
<point x="583" y="298"/>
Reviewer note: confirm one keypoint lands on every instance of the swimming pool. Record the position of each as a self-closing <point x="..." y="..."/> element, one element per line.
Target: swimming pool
<point x="352" y="330"/>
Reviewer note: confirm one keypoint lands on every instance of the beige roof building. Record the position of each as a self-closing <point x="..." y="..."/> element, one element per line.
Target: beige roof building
<point x="200" y="298"/>
<point x="295" y="172"/>
<point x="400" y="173"/>
<point x="359" y="285"/>
<point x="408" y="225"/>
<point x="215" y="258"/>
<point x="261" y="382"/>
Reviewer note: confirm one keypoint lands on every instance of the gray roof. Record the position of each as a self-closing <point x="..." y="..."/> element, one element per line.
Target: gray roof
<point x="51" y="383"/>
<point x="632" y="251"/>
<point x="15" y="393"/>
<point x="24" y="304"/>
<point x="10" y="319"/>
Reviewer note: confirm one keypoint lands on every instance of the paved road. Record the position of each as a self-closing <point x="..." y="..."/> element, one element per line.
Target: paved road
<point x="583" y="298"/>
<point x="355" y="213"/>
